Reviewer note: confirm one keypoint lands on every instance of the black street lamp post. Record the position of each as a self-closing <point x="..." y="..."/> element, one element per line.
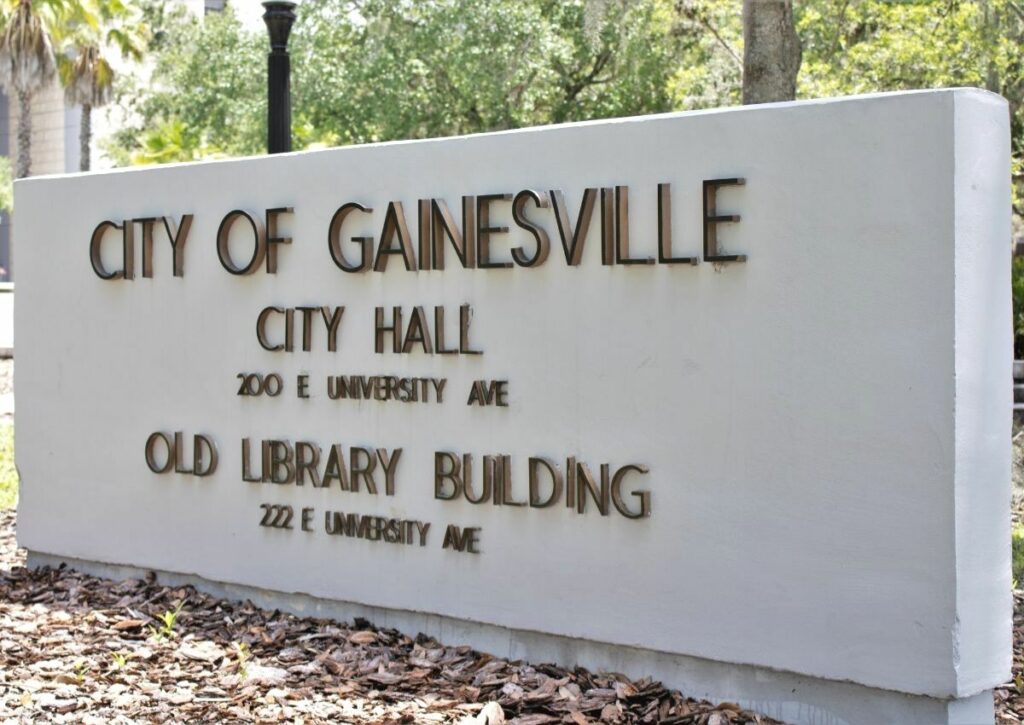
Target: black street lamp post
<point x="279" y="17"/>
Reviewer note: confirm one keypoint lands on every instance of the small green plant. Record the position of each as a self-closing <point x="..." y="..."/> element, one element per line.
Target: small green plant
<point x="1018" y="555"/>
<point x="119" y="661"/>
<point x="81" y="668"/>
<point x="243" y="654"/>
<point x="167" y="621"/>
<point x="8" y="473"/>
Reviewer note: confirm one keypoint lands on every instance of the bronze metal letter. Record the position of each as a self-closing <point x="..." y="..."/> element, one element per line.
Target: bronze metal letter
<point x="307" y="458"/>
<point x="644" y="496"/>
<point x="362" y="470"/>
<point x="570" y="482"/>
<point x="572" y="241"/>
<point x="289" y="329"/>
<point x="178" y="237"/>
<point x="336" y="470"/>
<point x="147" y="244"/>
<point x="418" y="331"/>
<point x="272" y="238"/>
<point x="465" y="316"/>
<point x="439" y="333"/>
<point x="389" y="462"/>
<point x="556" y="482"/>
<point x="712" y="219"/>
<point x="463" y="242"/>
<point x="94" y="250"/>
<point x="395" y="328"/>
<point x="447" y="467"/>
<point x="281" y="456"/>
<point x="585" y="483"/>
<point x="179" y="447"/>
<point x="607" y="226"/>
<point x="246" y="474"/>
<point x="261" y="328"/>
<point x="128" y="246"/>
<point x="489" y="466"/>
<point x="506" y="482"/>
<point x="665" y="229"/>
<point x="425" y="246"/>
<point x="307" y="326"/>
<point x="151" y="453"/>
<point x="223" y="237"/>
<point x="540" y="236"/>
<point x="198" y="443"/>
<point x="622" y="229"/>
<point x="334" y="240"/>
<point x="394" y="225"/>
<point x="484" y="230"/>
<point x="332" y="320"/>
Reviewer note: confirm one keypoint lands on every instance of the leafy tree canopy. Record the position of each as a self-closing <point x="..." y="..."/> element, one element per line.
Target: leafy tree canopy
<point x="375" y="70"/>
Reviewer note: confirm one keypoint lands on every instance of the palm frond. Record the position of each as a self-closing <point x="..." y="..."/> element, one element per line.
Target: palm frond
<point x="26" y="53"/>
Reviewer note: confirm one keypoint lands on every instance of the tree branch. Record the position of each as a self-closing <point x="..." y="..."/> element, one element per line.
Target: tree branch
<point x="702" y="20"/>
<point x="839" y="28"/>
<point x="721" y="41"/>
<point x="1016" y="9"/>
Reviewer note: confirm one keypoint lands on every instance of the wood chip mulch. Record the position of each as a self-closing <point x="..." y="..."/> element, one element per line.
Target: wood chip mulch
<point x="77" y="648"/>
<point x="1010" y="697"/>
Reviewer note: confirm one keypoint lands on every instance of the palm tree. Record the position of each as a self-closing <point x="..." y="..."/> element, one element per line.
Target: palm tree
<point x="88" y="81"/>
<point x="86" y="74"/>
<point x="26" y="64"/>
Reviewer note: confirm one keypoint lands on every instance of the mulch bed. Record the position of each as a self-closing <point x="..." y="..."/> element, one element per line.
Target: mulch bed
<point x="1010" y="697"/>
<point x="76" y="648"/>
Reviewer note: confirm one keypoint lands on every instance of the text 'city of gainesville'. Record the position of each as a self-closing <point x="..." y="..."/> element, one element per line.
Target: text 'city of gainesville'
<point x="353" y="249"/>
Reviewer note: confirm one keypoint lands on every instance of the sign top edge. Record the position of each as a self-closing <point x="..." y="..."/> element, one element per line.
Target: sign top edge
<point x="757" y="108"/>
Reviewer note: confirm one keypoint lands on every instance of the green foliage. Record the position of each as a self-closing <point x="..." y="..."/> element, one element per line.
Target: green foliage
<point x="207" y="94"/>
<point x="84" y="48"/>
<point x="388" y="69"/>
<point x="26" y="49"/>
<point x="377" y="70"/>
<point x="1017" y="281"/>
<point x="242" y="654"/>
<point x="391" y="69"/>
<point x="880" y="45"/>
<point x="82" y="668"/>
<point x="1018" y="555"/>
<point x="708" y="68"/>
<point x="6" y="185"/>
<point x="167" y="621"/>
<point x="8" y="473"/>
<point x="170" y="141"/>
<point x="874" y="44"/>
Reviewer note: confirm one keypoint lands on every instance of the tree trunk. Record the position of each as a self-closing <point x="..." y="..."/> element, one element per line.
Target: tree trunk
<point x="85" y="137"/>
<point x="24" y="134"/>
<point x="771" y="51"/>
<point x="990" y="35"/>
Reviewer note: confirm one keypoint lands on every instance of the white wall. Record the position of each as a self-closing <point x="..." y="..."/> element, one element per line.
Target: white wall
<point x="826" y="425"/>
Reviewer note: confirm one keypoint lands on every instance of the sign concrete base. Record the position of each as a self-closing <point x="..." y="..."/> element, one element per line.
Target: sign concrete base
<point x="786" y="696"/>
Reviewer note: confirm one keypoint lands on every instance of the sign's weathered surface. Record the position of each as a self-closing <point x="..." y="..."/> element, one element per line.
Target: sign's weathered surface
<point x="732" y="385"/>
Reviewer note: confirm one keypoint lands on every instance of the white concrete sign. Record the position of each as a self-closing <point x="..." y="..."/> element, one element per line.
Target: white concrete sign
<point x="728" y="385"/>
